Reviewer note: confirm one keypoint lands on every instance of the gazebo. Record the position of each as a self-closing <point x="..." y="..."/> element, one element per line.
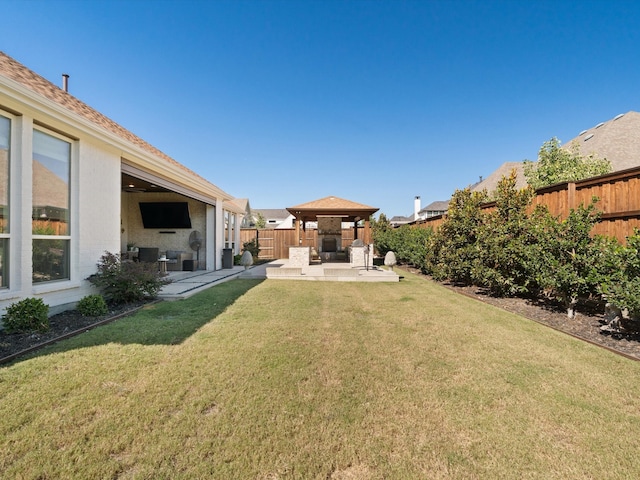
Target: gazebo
<point x="330" y="213"/>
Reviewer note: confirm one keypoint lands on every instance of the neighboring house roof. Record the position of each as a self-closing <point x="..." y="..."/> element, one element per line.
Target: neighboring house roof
<point x="437" y="206"/>
<point x="240" y="206"/>
<point x="18" y="73"/>
<point x="617" y="140"/>
<point x="491" y="182"/>
<point x="241" y="203"/>
<point x="272" y="216"/>
<point x="400" y="220"/>
<point x="272" y="213"/>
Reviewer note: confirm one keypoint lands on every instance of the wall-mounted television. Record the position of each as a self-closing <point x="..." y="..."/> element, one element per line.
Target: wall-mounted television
<point x="165" y="214"/>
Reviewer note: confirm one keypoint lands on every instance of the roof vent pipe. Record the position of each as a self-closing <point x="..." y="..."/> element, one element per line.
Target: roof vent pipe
<point x="65" y="82"/>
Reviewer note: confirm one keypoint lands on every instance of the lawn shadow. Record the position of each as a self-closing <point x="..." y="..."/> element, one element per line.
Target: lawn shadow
<point x="161" y="323"/>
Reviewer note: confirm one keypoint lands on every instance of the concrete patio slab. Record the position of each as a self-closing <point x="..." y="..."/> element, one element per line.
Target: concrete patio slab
<point x="186" y="284"/>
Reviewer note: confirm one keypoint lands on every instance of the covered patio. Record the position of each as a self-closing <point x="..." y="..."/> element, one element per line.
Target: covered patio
<point x="329" y="214"/>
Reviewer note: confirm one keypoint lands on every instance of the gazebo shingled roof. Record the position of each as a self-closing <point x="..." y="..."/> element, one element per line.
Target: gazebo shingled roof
<point x="334" y="207"/>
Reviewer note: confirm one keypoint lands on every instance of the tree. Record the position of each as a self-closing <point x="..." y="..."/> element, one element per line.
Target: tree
<point x="383" y="234"/>
<point x="570" y="265"/>
<point x="622" y="285"/>
<point x="557" y="165"/>
<point x="502" y="264"/>
<point x="261" y="222"/>
<point x="452" y="249"/>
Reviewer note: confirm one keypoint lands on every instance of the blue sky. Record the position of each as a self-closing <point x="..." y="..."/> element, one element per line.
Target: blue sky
<point x="285" y="102"/>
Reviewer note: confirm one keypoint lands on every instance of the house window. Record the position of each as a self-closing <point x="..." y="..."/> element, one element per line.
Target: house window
<point x="5" y="135"/>
<point x="50" y="214"/>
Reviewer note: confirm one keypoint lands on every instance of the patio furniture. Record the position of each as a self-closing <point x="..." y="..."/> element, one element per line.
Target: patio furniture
<point x="189" y="265"/>
<point x="175" y="259"/>
<point x="148" y="254"/>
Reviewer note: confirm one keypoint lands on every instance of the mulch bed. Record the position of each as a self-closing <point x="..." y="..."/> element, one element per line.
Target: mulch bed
<point x="585" y="326"/>
<point x="62" y="325"/>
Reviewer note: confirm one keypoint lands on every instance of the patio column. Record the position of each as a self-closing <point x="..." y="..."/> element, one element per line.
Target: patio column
<point x="304" y="234"/>
<point x="236" y="231"/>
<point x="219" y="234"/>
<point x="211" y="238"/>
<point x="367" y="232"/>
<point x="297" y="222"/>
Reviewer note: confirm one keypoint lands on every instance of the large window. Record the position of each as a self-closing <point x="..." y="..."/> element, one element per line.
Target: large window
<point x="5" y="134"/>
<point x="50" y="216"/>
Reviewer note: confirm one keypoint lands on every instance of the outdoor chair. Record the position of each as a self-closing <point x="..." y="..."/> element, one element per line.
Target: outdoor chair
<point x="175" y="259"/>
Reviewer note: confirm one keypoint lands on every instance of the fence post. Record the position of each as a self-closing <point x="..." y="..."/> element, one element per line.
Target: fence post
<point x="571" y="196"/>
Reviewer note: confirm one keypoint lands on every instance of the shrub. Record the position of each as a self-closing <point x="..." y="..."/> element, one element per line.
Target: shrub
<point x="408" y="243"/>
<point x="383" y="235"/>
<point x="504" y="239"/>
<point x="412" y="245"/>
<point x="125" y="282"/>
<point x="622" y="286"/>
<point x="27" y="315"/>
<point x="570" y="261"/>
<point x="453" y="249"/>
<point x="253" y="247"/>
<point x="92" y="306"/>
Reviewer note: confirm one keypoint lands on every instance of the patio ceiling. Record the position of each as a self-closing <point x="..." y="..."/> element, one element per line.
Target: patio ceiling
<point x="138" y="185"/>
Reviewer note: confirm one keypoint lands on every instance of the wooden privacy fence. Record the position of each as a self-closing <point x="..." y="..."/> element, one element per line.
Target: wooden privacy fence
<point x="275" y="243"/>
<point x="618" y="196"/>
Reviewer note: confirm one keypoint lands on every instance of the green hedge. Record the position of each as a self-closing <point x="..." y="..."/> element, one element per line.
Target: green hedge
<point x="510" y="252"/>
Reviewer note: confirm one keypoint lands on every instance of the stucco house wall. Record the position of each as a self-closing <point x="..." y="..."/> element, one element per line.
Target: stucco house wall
<point x="101" y="215"/>
<point x="94" y="223"/>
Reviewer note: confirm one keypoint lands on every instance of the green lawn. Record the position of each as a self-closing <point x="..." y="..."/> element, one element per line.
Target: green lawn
<point x="321" y="380"/>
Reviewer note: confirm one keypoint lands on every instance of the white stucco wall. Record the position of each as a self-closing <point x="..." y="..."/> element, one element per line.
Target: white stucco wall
<point x="94" y="222"/>
<point x="98" y="198"/>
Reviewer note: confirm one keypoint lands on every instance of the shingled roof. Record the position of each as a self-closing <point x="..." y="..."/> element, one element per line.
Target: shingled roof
<point x="617" y="140"/>
<point x="437" y="206"/>
<point x="332" y="203"/>
<point x="17" y="72"/>
<point x="328" y="206"/>
<point x="491" y="182"/>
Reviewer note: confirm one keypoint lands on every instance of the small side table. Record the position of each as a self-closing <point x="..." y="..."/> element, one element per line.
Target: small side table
<point x="162" y="264"/>
<point x="189" y="265"/>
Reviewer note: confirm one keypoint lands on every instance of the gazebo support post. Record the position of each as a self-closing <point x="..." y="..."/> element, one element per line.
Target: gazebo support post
<point x="367" y="231"/>
<point x="298" y="240"/>
<point x="304" y="233"/>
